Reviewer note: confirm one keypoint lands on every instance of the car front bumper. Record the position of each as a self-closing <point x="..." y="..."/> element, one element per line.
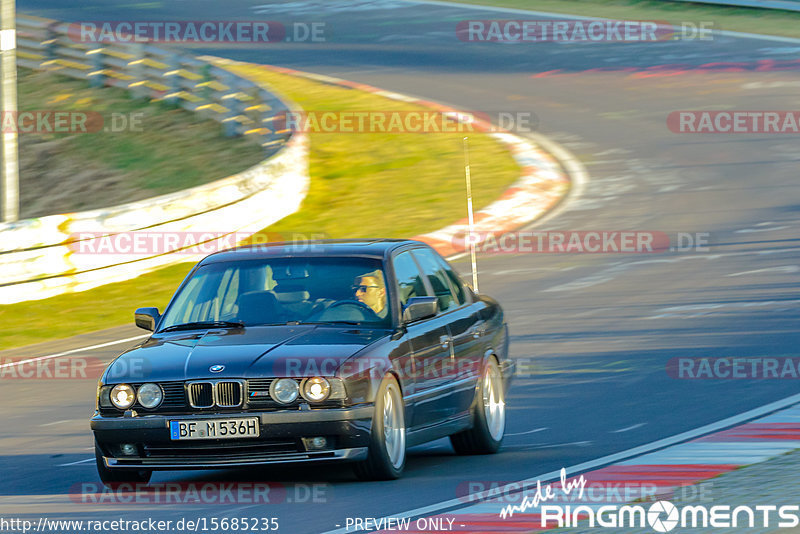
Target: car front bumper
<point x="346" y="430"/>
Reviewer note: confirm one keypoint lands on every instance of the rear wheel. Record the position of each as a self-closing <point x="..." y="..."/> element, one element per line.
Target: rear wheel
<point x="111" y="477"/>
<point x="386" y="458"/>
<point x="489" y="416"/>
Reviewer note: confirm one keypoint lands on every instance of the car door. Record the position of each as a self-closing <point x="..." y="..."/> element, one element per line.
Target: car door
<point x="465" y="325"/>
<point x="430" y="347"/>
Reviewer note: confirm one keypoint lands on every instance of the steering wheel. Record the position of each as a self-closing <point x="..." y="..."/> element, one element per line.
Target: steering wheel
<point x="350" y="305"/>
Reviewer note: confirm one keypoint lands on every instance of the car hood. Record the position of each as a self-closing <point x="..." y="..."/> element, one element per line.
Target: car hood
<point x="250" y="352"/>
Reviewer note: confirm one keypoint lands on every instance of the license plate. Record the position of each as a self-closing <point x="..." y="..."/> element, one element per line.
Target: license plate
<point x="214" y="429"/>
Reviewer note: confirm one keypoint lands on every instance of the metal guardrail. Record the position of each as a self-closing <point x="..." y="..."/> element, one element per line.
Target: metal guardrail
<point x="148" y="71"/>
<point x="787" y="5"/>
<point x="44" y="257"/>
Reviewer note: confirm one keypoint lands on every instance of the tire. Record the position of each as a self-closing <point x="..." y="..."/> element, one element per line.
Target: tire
<point x="489" y="416"/>
<point x="386" y="458"/>
<point x="111" y="477"/>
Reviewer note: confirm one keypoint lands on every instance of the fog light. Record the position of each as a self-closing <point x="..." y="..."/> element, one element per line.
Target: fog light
<point x="316" y="443"/>
<point x="128" y="449"/>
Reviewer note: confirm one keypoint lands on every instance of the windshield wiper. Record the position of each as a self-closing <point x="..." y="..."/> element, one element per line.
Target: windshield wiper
<point x="355" y="323"/>
<point x="203" y="324"/>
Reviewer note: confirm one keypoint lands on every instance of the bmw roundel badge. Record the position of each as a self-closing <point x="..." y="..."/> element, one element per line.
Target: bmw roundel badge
<point x="216" y="368"/>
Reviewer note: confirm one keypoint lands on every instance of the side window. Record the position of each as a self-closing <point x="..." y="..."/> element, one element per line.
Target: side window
<point x="455" y="281"/>
<point x="409" y="280"/>
<point x="437" y="278"/>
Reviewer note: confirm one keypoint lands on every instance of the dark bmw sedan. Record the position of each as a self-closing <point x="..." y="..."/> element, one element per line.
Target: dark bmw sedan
<point x="337" y="351"/>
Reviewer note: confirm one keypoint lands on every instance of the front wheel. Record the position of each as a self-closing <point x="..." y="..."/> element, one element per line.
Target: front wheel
<point x="110" y="477"/>
<point x="489" y="416"/>
<point x="386" y="458"/>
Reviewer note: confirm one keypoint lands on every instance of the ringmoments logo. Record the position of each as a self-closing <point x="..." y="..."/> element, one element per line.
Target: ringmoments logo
<point x="664" y="516"/>
<point x="661" y="516"/>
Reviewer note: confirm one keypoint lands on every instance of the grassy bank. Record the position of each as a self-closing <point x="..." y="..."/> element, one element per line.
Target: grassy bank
<point x="134" y="148"/>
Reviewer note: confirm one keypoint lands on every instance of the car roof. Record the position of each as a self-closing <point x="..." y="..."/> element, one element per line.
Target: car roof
<point x="375" y="248"/>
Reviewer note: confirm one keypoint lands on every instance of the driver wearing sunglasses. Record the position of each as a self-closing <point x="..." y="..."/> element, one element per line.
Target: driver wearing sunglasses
<point x="370" y="289"/>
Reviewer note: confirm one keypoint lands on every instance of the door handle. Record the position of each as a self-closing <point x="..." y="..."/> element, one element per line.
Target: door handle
<point x="445" y="341"/>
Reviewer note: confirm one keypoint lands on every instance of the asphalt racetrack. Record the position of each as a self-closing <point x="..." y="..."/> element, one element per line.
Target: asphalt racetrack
<point x="596" y="330"/>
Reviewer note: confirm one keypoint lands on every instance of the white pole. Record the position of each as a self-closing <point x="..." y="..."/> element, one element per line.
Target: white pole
<point x="8" y="95"/>
<point x="469" y="216"/>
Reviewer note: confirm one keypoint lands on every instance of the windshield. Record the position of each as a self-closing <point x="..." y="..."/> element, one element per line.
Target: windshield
<point x="281" y="291"/>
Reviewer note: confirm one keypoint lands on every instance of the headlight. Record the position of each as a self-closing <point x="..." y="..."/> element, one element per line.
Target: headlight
<point x="316" y="389"/>
<point x="150" y="395"/>
<point x="122" y="396"/>
<point x="284" y="390"/>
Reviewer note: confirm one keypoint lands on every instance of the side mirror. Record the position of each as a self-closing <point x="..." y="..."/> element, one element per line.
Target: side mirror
<point x="147" y="318"/>
<point x="420" y="308"/>
<point x="472" y="293"/>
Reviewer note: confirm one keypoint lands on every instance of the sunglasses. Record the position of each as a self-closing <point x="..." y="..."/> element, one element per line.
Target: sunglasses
<point x="362" y="288"/>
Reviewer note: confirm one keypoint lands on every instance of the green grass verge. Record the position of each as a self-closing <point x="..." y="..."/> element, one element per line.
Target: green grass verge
<point x="171" y="149"/>
<point x="742" y="19"/>
<point x="385" y="185"/>
<point x="362" y="185"/>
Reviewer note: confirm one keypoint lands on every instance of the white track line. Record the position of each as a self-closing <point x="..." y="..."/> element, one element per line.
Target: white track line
<point x="578" y="175"/>
<point x="73" y="351"/>
<point x="628" y="428"/>
<point x="76" y="463"/>
<point x="528" y="432"/>
<point x="463" y="502"/>
<point x="60" y="422"/>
